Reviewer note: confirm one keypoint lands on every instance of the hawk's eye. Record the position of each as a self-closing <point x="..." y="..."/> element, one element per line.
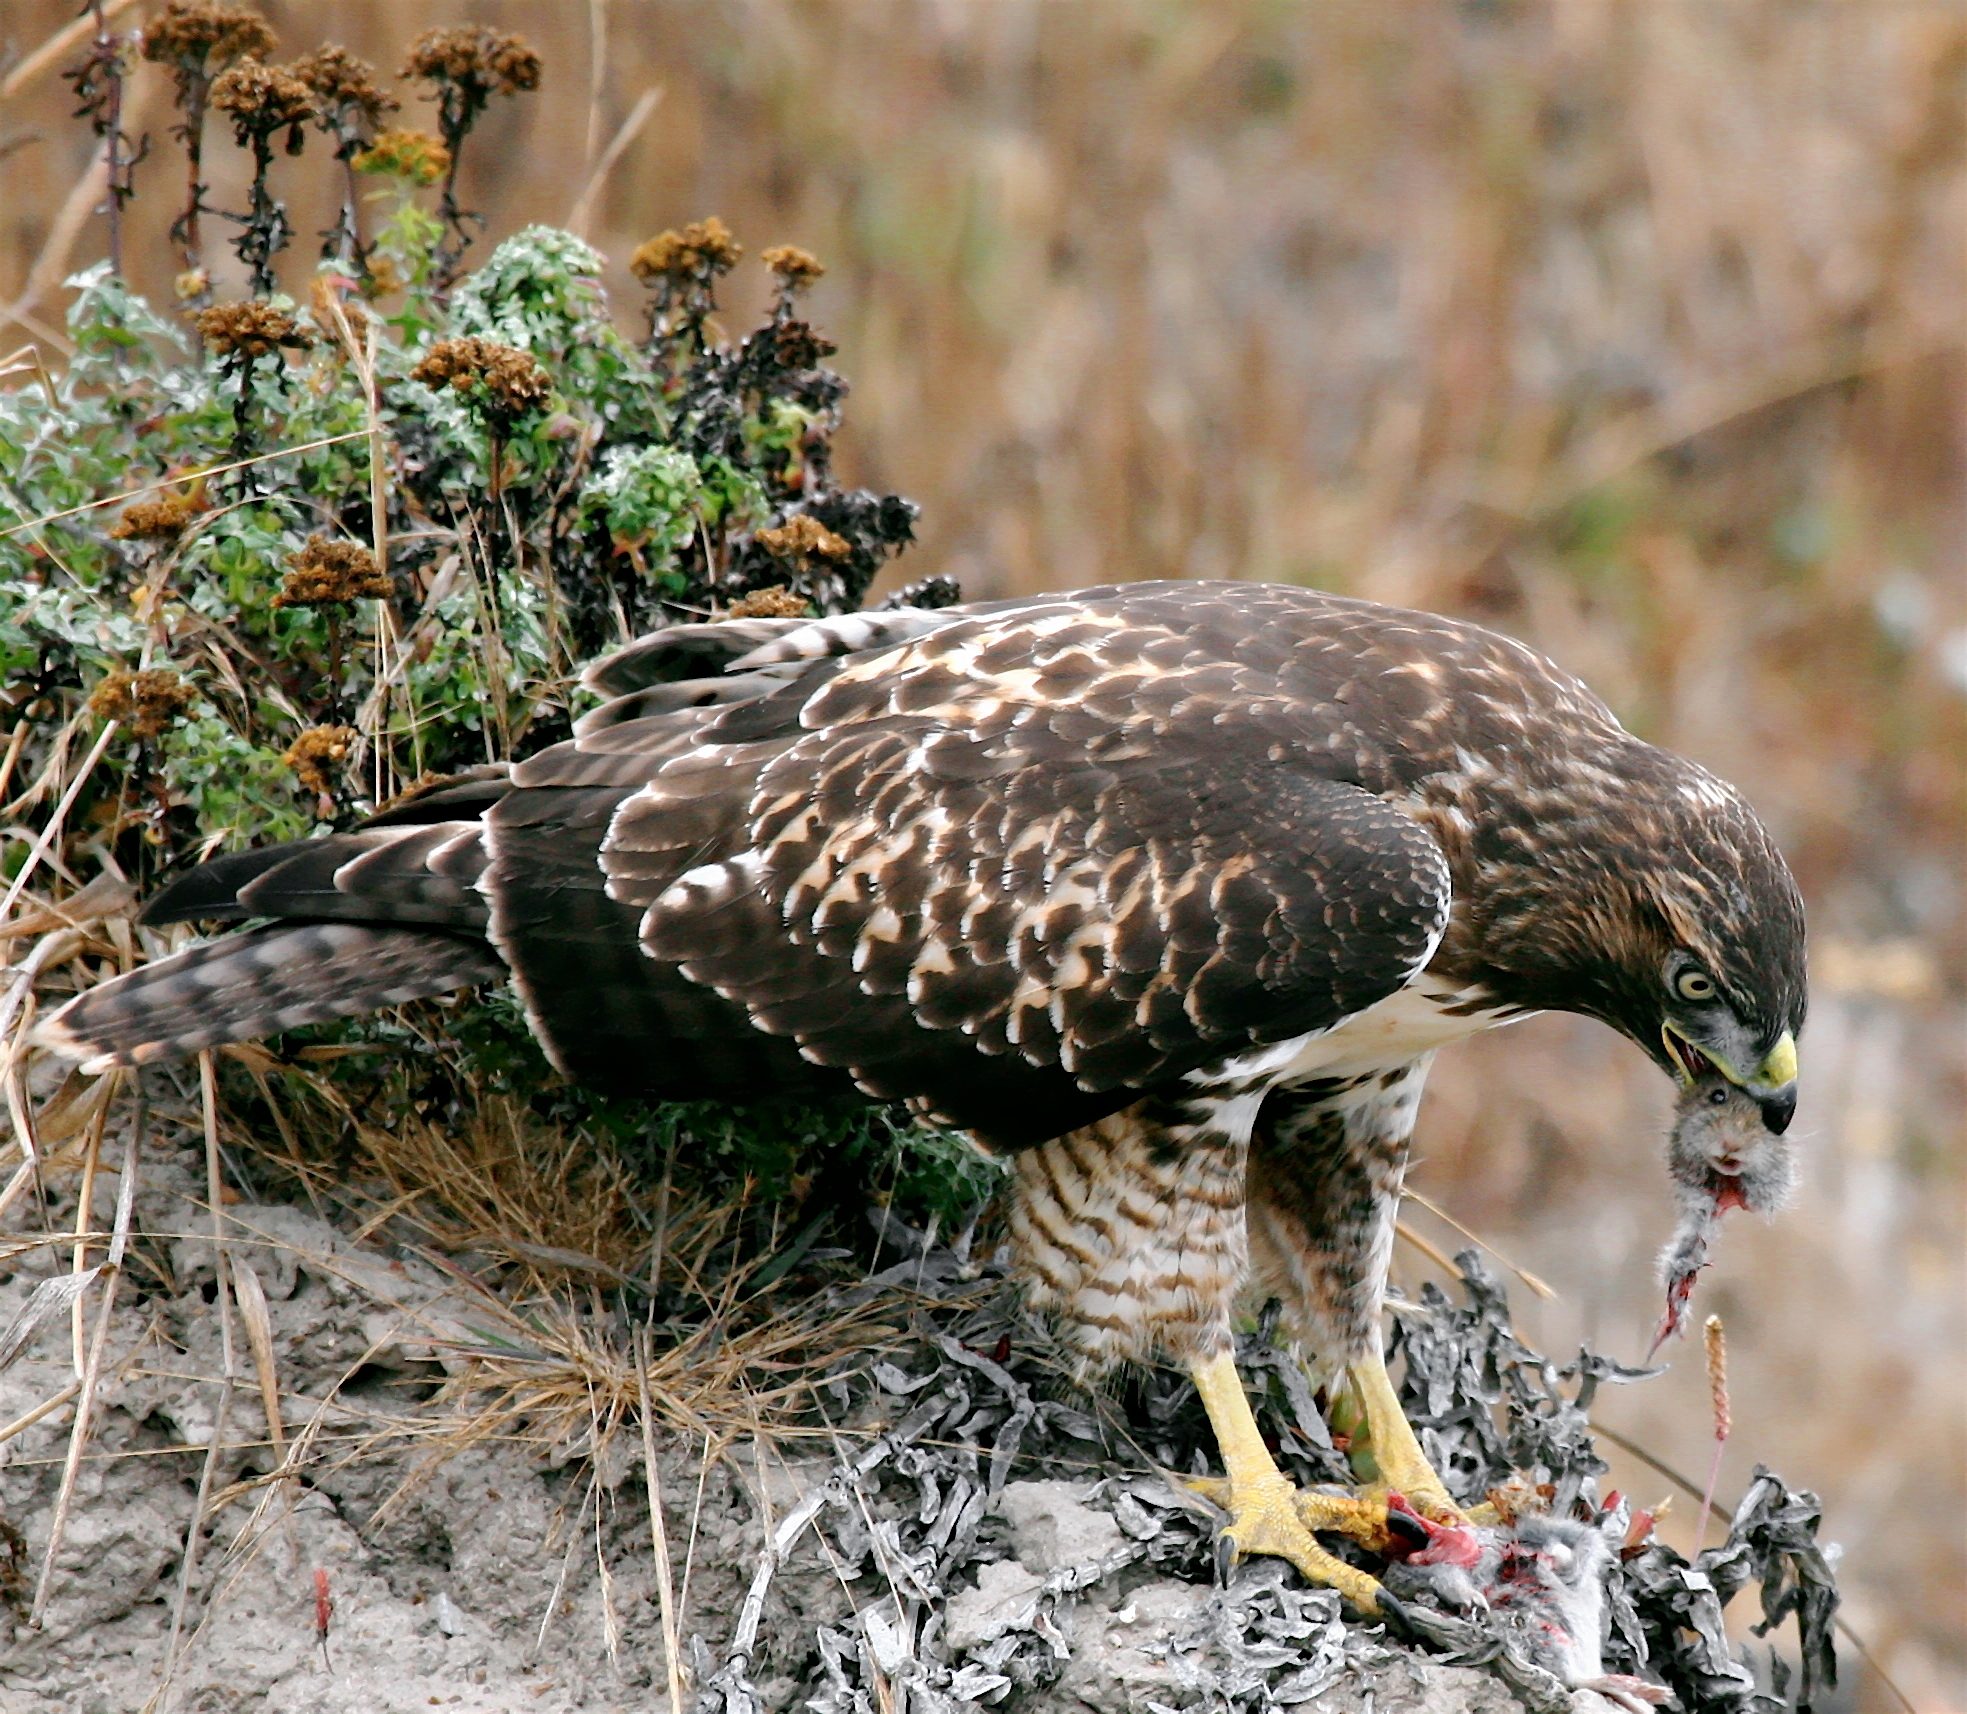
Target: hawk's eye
<point x="1694" y="985"/>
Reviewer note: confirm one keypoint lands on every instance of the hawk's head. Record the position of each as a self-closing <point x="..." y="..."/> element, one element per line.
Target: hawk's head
<point x="1660" y="904"/>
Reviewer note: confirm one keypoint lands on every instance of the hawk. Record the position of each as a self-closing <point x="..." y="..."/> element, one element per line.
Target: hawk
<point x="1168" y="891"/>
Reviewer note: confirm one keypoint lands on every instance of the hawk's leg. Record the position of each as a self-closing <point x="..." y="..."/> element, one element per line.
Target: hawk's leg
<point x="1133" y="1230"/>
<point x="1326" y="1163"/>
<point x="1403" y="1466"/>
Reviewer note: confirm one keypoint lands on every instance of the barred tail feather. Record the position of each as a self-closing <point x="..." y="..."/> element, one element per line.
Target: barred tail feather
<point x="258" y="983"/>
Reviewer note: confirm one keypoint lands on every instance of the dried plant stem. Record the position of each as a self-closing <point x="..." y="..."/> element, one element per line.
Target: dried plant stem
<point x="78" y="1434"/>
<point x="47" y="1407"/>
<point x="659" y="1530"/>
<point x="214" y="1189"/>
<point x="208" y="1086"/>
<point x="1529" y="1279"/>
<point x="51" y="834"/>
<point x="629" y="130"/>
<point x="55" y="48"/>
<point x="1433" y="1252"/>
<point x="181" y="480"/>
<point x="85" y="1223"/>
<point x="259" y="1340"/>
<point x="21" y="730"/>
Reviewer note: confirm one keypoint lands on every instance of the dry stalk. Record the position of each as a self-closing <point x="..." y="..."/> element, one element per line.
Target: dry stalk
<point x="14" y="745"/>
<point x="214" y="1188"/>
<point x="1529" y="1279"/>
<point x="55" y="49"/>
<point x="658" y="1527"/>
<point x="629" y="129"/>
<point x="259" y="1340"/>
<point x="78" y="1434"/>
<point x="182" y="480"/>
<point x="52" y="832"/>
<point x="47" y="1407"/>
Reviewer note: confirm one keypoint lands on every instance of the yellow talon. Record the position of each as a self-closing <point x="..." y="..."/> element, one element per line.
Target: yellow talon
<point x="1266" y="1513"/>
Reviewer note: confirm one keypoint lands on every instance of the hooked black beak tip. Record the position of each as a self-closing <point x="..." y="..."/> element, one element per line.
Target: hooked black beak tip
<point x="1778" y="1110"/>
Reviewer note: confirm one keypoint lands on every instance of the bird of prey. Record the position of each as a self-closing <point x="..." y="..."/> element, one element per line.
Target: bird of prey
<point x="1168" y="891"/>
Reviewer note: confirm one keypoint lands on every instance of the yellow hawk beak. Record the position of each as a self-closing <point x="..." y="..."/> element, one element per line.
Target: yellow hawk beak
<point x="1776" y="1073"/>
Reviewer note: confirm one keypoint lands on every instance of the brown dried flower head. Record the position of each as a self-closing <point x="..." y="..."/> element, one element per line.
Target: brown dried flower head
<point x="146" y="702"/>
<point x="802" y="540"/>
<point x="263" y="99"/>
<point x="796" y="268"/>
<point x="777" y="602"/>
<point x="325" y="572"/>
<point x="161" y="519"/>
<point x="194" y="33"/>
<point x="317" y="754"/>
<point x="701" y="249"/>
<point x="250" y="328"/>
<point x="400" y="154"/>
<point x="504" y="379"/>
<point x="474" y="57"/>
<point x="343" y="84"/>
<point x="382" y="278"/>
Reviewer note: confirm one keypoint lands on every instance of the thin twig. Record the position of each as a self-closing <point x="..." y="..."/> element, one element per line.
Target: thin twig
<point x="214" y="1187"/>
<point x="659" y="1529"/>
<point x="1529" y="1279"/>
<point x="180" y="480"/>
<point x="52" y="831"/>
<point x="629" y="130"/>
<point x="78" y="1433"/>
<point x="55" y="48"/>
<point x="47" y="1407"/>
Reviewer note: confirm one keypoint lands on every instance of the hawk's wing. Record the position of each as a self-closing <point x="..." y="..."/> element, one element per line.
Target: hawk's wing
<point x="1012" y="871"/>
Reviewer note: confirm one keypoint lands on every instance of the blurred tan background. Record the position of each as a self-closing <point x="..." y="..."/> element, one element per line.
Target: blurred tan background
<point x="1632" y="329"/>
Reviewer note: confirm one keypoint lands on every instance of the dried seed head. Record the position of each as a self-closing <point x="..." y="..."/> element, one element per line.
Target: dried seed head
<point x="383" y="278"/>
<point x="1717" y="1376"/>
<point x="796" y="268"/>
<point x="161" y="519"/>
<point x="702" y="249"/>
<point x="802" y="540"/>
<point x="193" y="33"/>
<point x="474" y="58"/>
<point x="503" y="379"/>
<point x="413" y="155"/>
<point x="326" y="572"/>
<point x="263" y="99"/>
<point x="317" y="754"/>
<point x="343" y="84"/>
<point x="250" y="329"/>
<point x="146" y="702"/>
<point x="777" y="602"/>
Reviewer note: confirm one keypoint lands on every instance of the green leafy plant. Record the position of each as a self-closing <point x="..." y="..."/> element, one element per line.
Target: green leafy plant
<point x="261" y="580"/>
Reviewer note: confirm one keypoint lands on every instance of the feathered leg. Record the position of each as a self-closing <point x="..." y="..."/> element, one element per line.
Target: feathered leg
<point x="1326" y="1165"/>
<point x="1133" y="1230"/>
